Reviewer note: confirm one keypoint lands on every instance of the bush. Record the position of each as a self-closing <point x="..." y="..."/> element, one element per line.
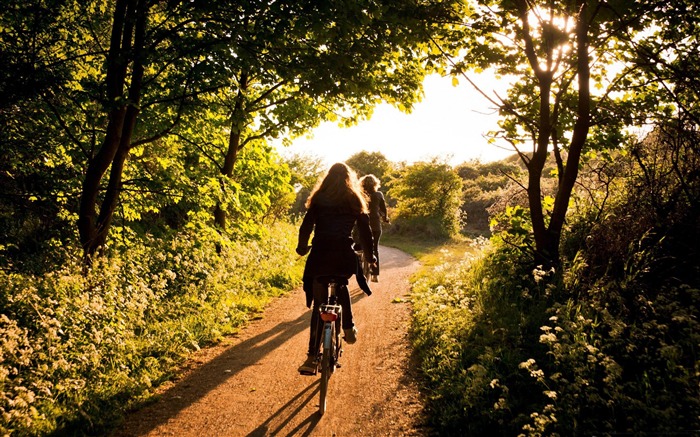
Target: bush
<point x="428" y="200"/>
<point x="471" y="320"/>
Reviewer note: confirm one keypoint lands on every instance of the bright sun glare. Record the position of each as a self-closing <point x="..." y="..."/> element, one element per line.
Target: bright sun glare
<point x="449" y="124"/>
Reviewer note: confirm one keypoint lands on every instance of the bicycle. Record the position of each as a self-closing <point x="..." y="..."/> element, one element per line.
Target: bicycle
<point x="331" y="341"/>
<point x="365" y="264"/>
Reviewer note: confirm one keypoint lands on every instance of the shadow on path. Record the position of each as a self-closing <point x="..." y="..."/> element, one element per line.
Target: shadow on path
<point x="230" y="362"/>
<point x="276" y="423"/>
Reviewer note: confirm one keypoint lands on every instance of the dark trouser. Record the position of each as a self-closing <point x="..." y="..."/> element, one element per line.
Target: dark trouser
<point x="376" y="234"/>
<point x="320" y="298"/>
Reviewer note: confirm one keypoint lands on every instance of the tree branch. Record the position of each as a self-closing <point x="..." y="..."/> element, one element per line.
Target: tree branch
<point x="64" y="126"/>
<point x="201" y="149"/>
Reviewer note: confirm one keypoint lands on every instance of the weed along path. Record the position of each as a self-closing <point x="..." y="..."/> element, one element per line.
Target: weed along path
<point x="249" y="386"/>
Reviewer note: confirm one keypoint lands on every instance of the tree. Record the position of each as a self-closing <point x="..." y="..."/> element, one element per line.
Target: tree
<point x="154" y="52"/>
<point x="266" y="192"/>
<point x="365" y="163"/>
<point x="305" y="171"/>
<point x="274" y="68"/>
<point x="142" y="97"/>
<point x="297" y="64"/>
<point x="375" y="163"/>
<point x="428" y="196"/>
<point x="565" y="100"/>
<point x="39" y="170"/>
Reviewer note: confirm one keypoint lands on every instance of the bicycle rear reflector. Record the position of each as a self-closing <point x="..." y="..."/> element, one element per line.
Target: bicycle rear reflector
<point x="329" y="317"/>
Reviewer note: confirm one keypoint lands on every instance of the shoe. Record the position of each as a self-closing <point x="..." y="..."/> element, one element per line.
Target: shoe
<point x="374" y="278"/>
<point x="350" y="335"/>
<point x="310" y="366"/>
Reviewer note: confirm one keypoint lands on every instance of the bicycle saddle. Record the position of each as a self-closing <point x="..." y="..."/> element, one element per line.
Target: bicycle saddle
<point x="328" y="279"/>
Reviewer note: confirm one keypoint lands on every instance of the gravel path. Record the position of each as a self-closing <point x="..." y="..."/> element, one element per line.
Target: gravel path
<point x="249" y="386"/>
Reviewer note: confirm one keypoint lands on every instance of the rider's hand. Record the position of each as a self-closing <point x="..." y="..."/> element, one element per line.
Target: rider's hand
<point x="302" y="250"/>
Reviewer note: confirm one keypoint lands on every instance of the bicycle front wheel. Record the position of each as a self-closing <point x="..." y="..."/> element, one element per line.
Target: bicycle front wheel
<point x="326" y="363"/>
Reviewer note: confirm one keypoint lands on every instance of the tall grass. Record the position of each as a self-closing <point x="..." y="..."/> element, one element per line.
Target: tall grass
<point x="469" y="326"/>
<point x="77" y="350"/>
<point x="510" y="350"/>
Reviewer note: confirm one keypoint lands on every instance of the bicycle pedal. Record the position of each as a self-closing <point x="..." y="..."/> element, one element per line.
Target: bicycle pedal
<point x="305" y="373"/>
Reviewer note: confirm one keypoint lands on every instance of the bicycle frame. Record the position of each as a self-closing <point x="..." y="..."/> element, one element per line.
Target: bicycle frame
<point x="331" y="314"/>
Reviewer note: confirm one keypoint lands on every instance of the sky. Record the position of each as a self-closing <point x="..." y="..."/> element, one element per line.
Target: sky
<point x="449" y="123"/>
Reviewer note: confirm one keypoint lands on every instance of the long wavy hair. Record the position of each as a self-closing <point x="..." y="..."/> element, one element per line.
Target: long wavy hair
<point x="339" y="187"/>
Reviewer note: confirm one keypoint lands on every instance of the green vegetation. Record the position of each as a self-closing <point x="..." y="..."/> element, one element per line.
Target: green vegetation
<point x="486" y="188"/>
<point x="581" y="318"/>
<point x="605" y="345"/>
<point x="143" y="212"/>
<point x="581" y="74"/>
<point x="433" y="252"/>
<point x="112" y="109"/>
<point x="365" y="163"/>
<point x="427" y="198"/>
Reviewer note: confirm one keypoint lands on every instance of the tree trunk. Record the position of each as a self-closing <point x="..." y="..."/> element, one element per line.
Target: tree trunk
<point x="548" y="237"/>
<point x="126" y="45"/>
<point x="578" y="140"/>
<point x="545" y="76"/>
<point x="227" y="170"/>
<point x="534" y="169"/>
<point x="111" y="198"/>
<point x="87" y="220"/>
<point x="234" y="145"/>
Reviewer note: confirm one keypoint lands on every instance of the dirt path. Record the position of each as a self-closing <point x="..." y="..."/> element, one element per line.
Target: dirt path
<point x="249" y="385"/>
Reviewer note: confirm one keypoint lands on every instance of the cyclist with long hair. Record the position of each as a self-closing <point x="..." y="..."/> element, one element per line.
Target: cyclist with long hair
<point x="335" y="205"/>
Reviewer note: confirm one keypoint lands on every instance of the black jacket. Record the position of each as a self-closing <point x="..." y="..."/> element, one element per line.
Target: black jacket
<point x="377" y="209"/>
<point x="332" y="252"/>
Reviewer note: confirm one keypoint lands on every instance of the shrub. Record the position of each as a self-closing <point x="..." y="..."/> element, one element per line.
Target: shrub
<point x="428" y="199"/>
<point x="471" y="320"/>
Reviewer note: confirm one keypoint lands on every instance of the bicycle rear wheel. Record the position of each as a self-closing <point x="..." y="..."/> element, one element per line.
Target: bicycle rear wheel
<point x="326" y="363"/>
<point x="365" y="267"/>
<point x="338" y="350"/>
